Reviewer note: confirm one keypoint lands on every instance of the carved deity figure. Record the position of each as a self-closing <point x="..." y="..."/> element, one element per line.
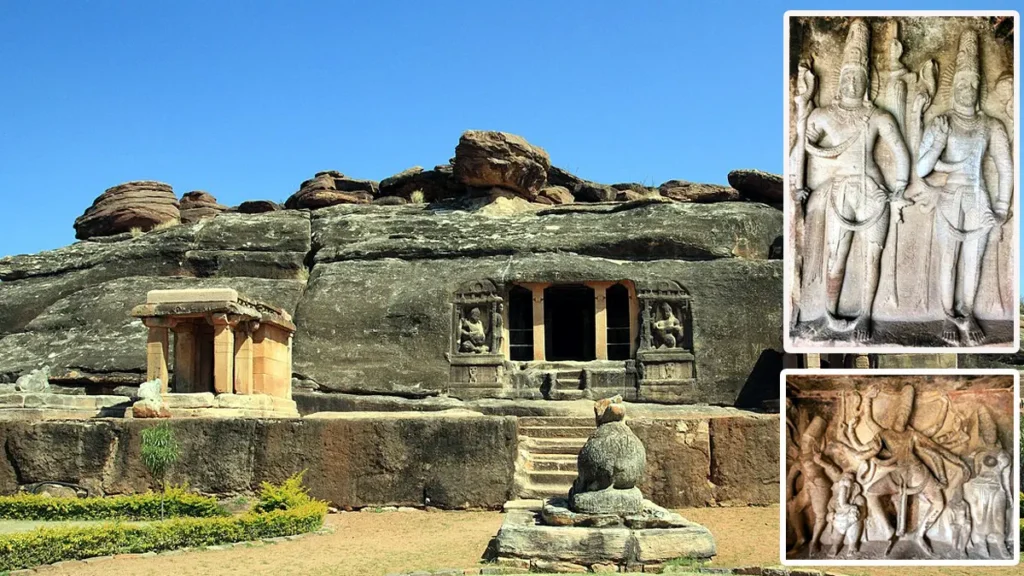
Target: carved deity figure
<point x="473" y="334"/>
<point x="954" y="146"/>
<point x="816" y="490"/>
<point x="667" y="330"/>
<point x="987" y="494"/>
<point x="855" y="199"/>
<point x="909" y="465"/>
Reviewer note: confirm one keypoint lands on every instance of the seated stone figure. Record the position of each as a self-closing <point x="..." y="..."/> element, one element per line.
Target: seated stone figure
<point x="473" y="334"/>
<point x="667" y="331"/>
<point x="610" y="465"/>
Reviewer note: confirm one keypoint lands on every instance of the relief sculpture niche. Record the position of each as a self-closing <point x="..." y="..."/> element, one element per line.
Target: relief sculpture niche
<point x="665" y="358"/>
<point x="900" y="467"/>
<point x="477" y="357"/>
<point x="901" y="177"/>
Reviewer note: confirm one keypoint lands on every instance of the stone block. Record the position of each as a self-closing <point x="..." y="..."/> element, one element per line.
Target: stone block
<point x="190" y="400"/>
<point x="745" y="459"/>
<point x="192" y="295"/>
<point x="678" y="460"/>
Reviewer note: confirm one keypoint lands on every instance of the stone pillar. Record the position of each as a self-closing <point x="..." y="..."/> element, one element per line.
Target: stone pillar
<point x="814" y="361"/>
<point x="185" y="357"/>
<point x="538" y="320"/>
<point x="861" y="361"/>
<point x="288" y="371"/>
<point x="600" y="320"/>
<point x="156" y="353"/>
<point x="634" y="321"/>
<point x="243" y="360"/>
<point x="223" y="354"/>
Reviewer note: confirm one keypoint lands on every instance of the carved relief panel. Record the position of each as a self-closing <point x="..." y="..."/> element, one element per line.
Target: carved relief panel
<point x="887" y="467"/>
<point x="901" y="174"/>
<point x="665" y="361"/>
<point x="477" y="360"/>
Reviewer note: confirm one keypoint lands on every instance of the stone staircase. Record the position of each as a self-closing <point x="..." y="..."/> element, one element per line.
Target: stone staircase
<point x="548" y="446"/>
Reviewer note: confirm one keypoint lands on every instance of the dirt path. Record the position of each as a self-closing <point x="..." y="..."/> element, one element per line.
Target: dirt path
<point x="374" y="544"/>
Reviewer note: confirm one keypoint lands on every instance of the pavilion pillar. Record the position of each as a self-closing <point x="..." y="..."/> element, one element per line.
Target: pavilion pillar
<point x="634" y="321"/>
<point x="243" y="383"/>
<point x="185" y="357"/>
<point x="156" y="353"/>
<point x="223" y="354"/>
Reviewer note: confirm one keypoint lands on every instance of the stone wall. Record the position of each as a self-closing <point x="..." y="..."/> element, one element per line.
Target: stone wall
<point x="450" y="460"/>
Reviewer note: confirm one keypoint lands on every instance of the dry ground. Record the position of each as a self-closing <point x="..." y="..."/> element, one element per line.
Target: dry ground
<point x="374" y="544"/>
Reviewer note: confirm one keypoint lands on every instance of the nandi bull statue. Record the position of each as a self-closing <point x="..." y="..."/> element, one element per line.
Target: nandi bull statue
<point x="610" y="465"/>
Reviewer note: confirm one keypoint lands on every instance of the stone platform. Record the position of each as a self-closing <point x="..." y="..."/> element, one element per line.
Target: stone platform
<point x="208" y="405"/>
<point x="37" y="406"/>
<point x="583" y="541"/>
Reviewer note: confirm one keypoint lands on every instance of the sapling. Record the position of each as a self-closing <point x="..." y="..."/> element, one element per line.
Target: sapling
<point x="159" y="452"/>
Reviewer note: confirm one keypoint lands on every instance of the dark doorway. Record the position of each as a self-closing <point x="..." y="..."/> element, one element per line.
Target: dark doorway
<point x="617" y="303"/>
<point x="520" y="324"/>
<point x="569" y="323"/>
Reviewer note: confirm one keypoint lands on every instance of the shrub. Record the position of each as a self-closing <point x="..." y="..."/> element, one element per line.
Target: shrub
<point x="290" y="494"/>
<point x="49" y="545"/>
<point x="177" y="501"/>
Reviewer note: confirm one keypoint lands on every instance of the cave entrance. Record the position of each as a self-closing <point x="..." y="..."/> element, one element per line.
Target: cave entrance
<point x="569" y="323"/>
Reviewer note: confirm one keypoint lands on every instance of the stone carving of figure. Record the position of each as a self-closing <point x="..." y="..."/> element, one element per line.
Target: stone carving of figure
<point x="472" y="333"/>
<point x="955" y="145"/>
<point x="909" y="465"/>
<point x="667" y="330"/>
<point x="855" y="199"/>
<point x="610" y="465"/>
<point x="498" y="326"/>
<point x="845" y="509"/>
<point x="816" y="491"/>
<point x="987" y="494"/>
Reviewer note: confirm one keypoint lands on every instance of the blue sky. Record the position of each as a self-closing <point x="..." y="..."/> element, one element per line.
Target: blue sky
<point x="247" y="99"/>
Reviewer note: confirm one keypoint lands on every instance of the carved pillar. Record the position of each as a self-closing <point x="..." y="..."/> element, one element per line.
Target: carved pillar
<point x="861" y="361"/>
<point x="600" y="320"/>
<point x="538" y="320"/>
<point x="223" y="354"/>
<point x="287" y="392"/>
<point x="185" y="357"/>
<point x="813" y="361"/>
<point x="156" y="353"/>
<point x="634" y="325"/>
<point x="243" y="359"/>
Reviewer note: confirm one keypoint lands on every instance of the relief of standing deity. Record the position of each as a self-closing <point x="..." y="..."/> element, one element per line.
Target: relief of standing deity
<point x="901" y="176"/>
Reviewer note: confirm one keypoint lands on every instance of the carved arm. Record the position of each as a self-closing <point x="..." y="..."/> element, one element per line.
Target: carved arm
<point x="999" y="148"/>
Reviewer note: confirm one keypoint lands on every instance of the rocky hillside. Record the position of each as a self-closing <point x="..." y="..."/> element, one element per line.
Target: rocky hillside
<point x="366" y="268"/>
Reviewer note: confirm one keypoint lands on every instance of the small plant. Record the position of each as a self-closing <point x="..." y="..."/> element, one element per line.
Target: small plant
<point x="159" y="452"/>
<point x="288" y="495"/>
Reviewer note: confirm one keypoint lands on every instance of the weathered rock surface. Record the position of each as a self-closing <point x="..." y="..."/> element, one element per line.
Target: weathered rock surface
<point x="34" y="381"/>
<point x="198" y="205"/>
<point x="683" y="191"/>
<point x="757" y="185"/>
<point x="257" y="207"/>
<point x="555" y="195"/>
<point x="330" y="188"/>
<point x="646" y="230"/>
<point x="454" y="460"/>
<point x="485" y="159"/>
<point x="139" y="205"/>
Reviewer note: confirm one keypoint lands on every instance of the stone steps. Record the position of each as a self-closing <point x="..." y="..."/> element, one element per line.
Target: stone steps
<point x="548" y="448"/>
<point x="556" y="431"/>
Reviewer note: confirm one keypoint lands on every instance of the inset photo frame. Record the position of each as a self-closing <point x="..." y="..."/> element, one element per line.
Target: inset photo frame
<point x="900" y="467"/>
<point x="902" y="174"/>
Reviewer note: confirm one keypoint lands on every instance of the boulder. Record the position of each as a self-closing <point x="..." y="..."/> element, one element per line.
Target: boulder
<point x="150" y="408"/>
<point x="141" y="205"/>
<point x="257" y="207"/>
<point x="757" y="186"/>
<point x="418" y="185"/>
<point x="198" y="205"/>
<point x="561" y="177"/>
<point x="330" y="188"/>
<point x="588" y="191"/>
<point x="683" y="191"/>
<point x="555" y="195"/>
<point x="35" y="381"/>
<point x="485" y="159"/>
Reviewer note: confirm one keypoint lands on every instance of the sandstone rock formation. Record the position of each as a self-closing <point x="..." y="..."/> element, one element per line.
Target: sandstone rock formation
<point x="418" y="185"/>
<point x="485" y="159"/>
<point x="198" y="205"/>
<point x="683" y="191"/>
<point x="139" y="205"/>
<point x="257" y="207"/>
<point x="330" y="188"/>
<point x="757" y="185"/>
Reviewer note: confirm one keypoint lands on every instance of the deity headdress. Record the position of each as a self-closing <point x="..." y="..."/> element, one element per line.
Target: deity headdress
<point x="967" y="57"/>
<point x="857" y="47"/>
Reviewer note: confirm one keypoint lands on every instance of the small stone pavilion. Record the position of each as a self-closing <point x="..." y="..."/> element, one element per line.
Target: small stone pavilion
<point x="232" y="350"/>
